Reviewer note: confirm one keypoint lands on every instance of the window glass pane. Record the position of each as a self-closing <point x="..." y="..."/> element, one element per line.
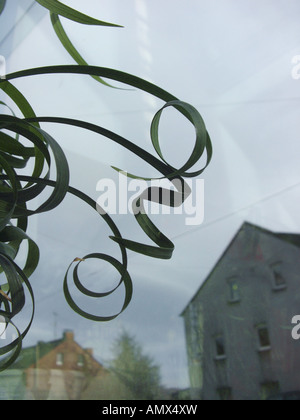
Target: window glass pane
<point x="80" y="360"/>
<point x="59" y="359"/>
<point x="216" y="320"/>
<point x="220" y="346"/>
<point x="264" y="338"/>
<point x="234" y="290"/>
<point x="279" y="279"/>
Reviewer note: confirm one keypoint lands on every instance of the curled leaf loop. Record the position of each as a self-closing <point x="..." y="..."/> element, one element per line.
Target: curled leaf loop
<point x="44" y="155"/>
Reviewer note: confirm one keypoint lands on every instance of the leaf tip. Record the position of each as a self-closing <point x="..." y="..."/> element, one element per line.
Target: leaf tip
<point x="5" y="295"/>
<point x="79" y="260"/>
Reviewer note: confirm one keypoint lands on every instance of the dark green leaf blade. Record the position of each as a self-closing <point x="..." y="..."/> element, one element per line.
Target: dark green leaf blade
<point x="108" y="73"/>
<point x="28" y="112"/>
<point x="125" y="279"/>
<point x="61" y="9"/>
<point x="16" y="345"/>
<point x="15" y="236"/>
<point x="66" y="42"/>
<point x="2" y="5"/>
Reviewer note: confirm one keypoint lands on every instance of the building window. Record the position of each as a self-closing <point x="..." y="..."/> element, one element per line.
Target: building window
<point x="279" y="282"/>
<point x="80" y="361"/>
<point x="220" y="348"/>
<point x="264" y="338"/>
<point x="194" y="317"/>
<point x="234" y="290"/>
<point x="270" y="389"/>
<point x="225" y="394"/>
<point x="59" y="359"/>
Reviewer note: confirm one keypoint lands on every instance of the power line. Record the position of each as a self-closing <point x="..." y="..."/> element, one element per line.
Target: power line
<point x="228" y="215"/>
<point x="207" y="225"/>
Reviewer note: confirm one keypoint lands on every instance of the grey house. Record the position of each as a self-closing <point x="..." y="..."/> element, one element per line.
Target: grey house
<point x="238" y="324"/>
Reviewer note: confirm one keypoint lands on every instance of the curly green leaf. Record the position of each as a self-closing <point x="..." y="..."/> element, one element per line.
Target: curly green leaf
<point x="61" y="9"/>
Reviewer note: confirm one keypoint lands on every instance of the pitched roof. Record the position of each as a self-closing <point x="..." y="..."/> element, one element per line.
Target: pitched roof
<point x="290" y="238"/>
<point x="29" y="355"/>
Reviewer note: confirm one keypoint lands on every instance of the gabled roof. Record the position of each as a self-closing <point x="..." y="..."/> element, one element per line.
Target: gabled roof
<point x="29" y="355"/>
<point x="290" y="238"/>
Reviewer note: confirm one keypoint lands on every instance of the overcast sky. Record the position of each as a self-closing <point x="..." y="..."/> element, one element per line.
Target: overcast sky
<point x="232" y="60"/>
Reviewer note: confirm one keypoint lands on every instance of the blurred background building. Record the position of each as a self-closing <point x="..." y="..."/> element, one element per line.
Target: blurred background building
<point x="238" y="324"/>
<point x="60" y="370"/>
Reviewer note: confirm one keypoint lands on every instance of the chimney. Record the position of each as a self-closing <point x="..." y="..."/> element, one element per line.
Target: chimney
<point x="90" y="352"/>
<point x="68" y="335"/>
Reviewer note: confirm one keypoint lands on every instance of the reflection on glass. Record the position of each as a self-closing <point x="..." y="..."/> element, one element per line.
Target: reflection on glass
<point x="61" y="370"/>
<point x="64" y="370"/>
<point x="238" y="327"/>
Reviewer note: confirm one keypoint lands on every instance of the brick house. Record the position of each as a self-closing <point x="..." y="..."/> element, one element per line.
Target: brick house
<point x="63" y="363"/>
<point x="238" y="324"/>
<point x="60" y="370"/>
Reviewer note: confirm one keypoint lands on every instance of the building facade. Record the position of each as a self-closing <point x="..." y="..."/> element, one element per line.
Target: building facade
<point x="239" y="323"/>
<point x="60" y="370"/>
